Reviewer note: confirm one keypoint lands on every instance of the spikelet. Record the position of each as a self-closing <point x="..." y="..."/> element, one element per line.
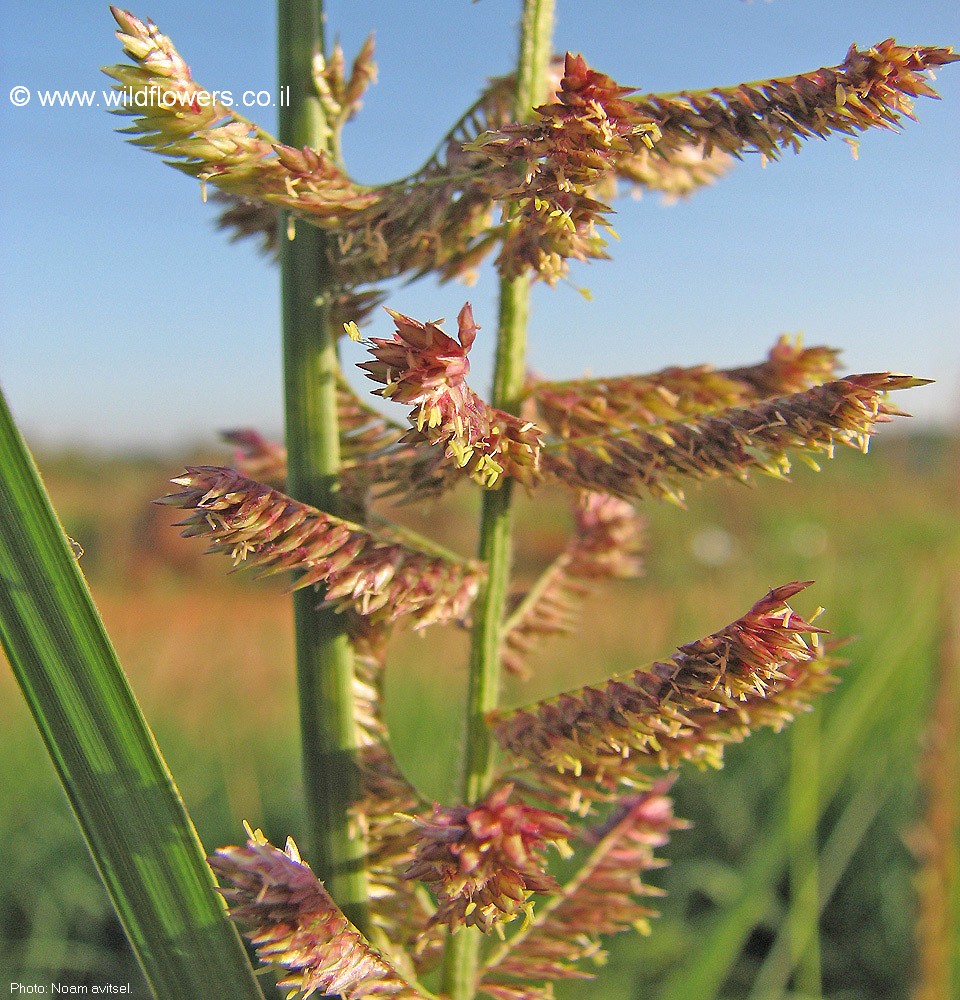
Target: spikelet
<point x="484" y="861"/>
<point x="422" y="368"/>
<point x="370" y="573"/>
<point x="294" y="924"/>
<point x="654" y="460"/>
<point x="341" y="95"/>
<point x="583" y="745"/>
<point x="630" y="437"/>
<point x="606" y="895"/>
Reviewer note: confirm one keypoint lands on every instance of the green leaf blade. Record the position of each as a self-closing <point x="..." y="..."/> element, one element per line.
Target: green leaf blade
<point x="128" y="808"/>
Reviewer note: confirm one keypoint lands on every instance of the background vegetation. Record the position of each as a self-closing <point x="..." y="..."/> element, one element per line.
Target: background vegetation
<point x="208" y="656"/>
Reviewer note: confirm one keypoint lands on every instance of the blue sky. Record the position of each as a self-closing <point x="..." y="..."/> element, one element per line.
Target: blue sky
<point x="126" y="320"/>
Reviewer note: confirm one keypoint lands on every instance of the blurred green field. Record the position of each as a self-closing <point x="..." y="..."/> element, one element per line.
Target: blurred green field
<point x="209" y="656"/>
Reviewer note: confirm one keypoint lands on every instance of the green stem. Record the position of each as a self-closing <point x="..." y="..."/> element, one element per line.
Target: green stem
<point x="533" y="64"/>
<point x="325" y="672"/>
<point x="496" y="519"/>
<point x="462" y="956"/>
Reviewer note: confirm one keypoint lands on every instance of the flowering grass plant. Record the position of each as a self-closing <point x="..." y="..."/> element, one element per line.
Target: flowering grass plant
<point x="405" y="897"/>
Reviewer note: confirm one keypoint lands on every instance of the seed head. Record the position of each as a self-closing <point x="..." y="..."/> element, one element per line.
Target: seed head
<point x="484" y="861"/>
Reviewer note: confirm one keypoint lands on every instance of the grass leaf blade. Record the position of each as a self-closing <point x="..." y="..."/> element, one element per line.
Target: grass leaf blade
<point x="134" y="822"/>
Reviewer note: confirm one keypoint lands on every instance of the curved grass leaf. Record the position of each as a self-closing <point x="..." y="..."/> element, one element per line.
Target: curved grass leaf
<point x="130" y="812"/>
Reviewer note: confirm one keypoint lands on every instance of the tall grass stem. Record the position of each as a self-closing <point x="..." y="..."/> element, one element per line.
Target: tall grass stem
<point x="325" y="669"/>
<point x="462" y="956"/>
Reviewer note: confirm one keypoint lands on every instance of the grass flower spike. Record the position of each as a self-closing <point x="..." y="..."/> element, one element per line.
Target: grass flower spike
<point x="484" y="861"/>
<point x="421" y="367"/>
<point x="655" y="459"/>
<point x="871" y="88"/>
<point x="373" y="575"/>
<point x="179" y="119"/>
<point x="758" y="671"/>
<point x="294" y="924"/>
<point x="547" y="175"/>
<point x="405" y="892"/>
